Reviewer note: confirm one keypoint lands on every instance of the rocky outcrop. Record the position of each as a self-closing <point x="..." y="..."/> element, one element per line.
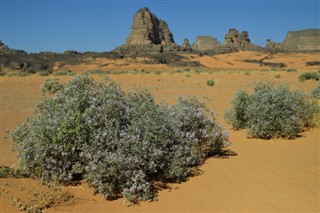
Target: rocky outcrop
<point x="185" y="46"/>
<point x="148" y="35"/>
<point x="148" y="29"/>
<point x="5" y="50"/>
<point x="203" y="43"/>
<point x="239" y="41"/>
<point x="272" y="46"/>
<point x="303" y="40"/>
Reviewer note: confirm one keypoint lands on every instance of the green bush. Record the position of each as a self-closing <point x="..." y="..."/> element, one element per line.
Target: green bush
<point x="210" y="83"/>
<point x="316" y="92"/>
<point x="2" y="73"/>
<point x="59" y="73"/>
<point x="272" y="112"/>
<point x="120" y="143"/>
<point x="309" y="76"/>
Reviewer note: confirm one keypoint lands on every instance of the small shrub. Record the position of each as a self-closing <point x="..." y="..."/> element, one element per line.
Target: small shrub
<point x="188" y="75"/>
<point x="158" y="72"/>
<point x="60" y="73"/>
<point x="44" y="73"/>
<point x="316" y="92"/>
<point x="277" y="76"/>
<point x="210" y="83"/>
<point x="247" y="72"/>
<point x="23" y="74"/>
<point x="121" y="143"/>
<point x="7" y="172"/>
<point x="309" y="76"/>
<point x="272" y="112"/>
<point x="291" y="70"/>
<point x="2" y="73"/>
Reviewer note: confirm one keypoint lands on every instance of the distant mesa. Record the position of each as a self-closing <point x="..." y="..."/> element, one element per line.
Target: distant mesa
<point x="303" y="40"/>
<point x="205" y="43"/>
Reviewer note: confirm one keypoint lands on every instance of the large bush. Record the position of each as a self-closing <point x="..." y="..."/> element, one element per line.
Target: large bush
<point x="120" y="143"/>
<point x="272" y="112"/>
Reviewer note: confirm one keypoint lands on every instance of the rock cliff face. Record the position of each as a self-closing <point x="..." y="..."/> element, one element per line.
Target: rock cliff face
<point x="148" y="35"/>
<point x="148" y="29"/>
<point x="5" y="50"/>
<point x="303" y="40"/>
<point x="205" y="43"/>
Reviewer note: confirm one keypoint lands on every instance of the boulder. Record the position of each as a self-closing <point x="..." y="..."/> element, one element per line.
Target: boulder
<point x="205" y="43"/>
<point x="303" y="40"/>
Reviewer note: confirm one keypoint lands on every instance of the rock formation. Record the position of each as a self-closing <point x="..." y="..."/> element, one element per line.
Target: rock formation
<point x="5" y="50"/>
<point x="148" y="29"/>
<point x="148" y="34"/>
<point x="185" y="46"/>
<point x="203" y="43"/>
<point x="239" y="41"/>
<point x="303" y="40"/>
<point x="272" y="46"/>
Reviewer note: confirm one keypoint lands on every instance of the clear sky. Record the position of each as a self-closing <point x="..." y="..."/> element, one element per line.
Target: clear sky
<point x="102" y="25"/>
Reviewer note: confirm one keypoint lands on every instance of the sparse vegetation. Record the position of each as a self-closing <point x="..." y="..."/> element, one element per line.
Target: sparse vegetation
<point x="7" y="172"/>
<point x="309" y="76"/>
<point x="122" y="144"/>
<point x="44" y="73"/>
<point x="210" y="83"/>
<point x="60" y="73"/>
<point x="272" y="112"/>
<point x="2" y="73"/>
<point x="43" y="200"/>
<point x="291" y="70"/>
<point x="316" y="92"/>
<point x="277" y="76"/>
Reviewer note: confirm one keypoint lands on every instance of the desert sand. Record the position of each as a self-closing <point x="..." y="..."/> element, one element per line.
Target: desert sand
<point x="258" y="176"/>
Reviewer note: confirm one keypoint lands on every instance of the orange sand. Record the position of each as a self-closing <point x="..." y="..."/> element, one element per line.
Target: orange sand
<point x="262" y="176"/>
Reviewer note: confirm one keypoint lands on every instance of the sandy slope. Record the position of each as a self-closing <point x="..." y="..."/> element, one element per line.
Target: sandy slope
<point x="222" y="61"/>
<point x="261" y="176"/>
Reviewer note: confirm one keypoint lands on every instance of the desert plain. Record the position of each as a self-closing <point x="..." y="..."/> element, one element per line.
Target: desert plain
<point x="256" y="176"/>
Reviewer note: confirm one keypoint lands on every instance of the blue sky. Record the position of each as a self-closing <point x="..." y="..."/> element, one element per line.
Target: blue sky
<point x="102" y="25"/>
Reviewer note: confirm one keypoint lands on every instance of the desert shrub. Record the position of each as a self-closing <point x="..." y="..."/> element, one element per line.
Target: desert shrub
<point x="277" y="76"/>
<point x="291" y="70"/>
<point x="272" y="112"/>
<point x="44" y="73"/>
<point x="309" y="76"/>
<point x="210" y="83"/>
<point x="2" y="73"/>
<point x="7" y="172"/>
<point x="68" y="72"/>
<point x="316" y="92"/>
<point x="120" y="143"/>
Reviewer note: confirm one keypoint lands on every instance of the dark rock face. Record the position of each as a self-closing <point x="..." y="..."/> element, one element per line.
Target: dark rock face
<point x="148" y="29"/>
<point x="303" y="40"/>
<point x="239" y="41"/>
<point x="205" y="43"/>
<point x="5" y="50"/>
